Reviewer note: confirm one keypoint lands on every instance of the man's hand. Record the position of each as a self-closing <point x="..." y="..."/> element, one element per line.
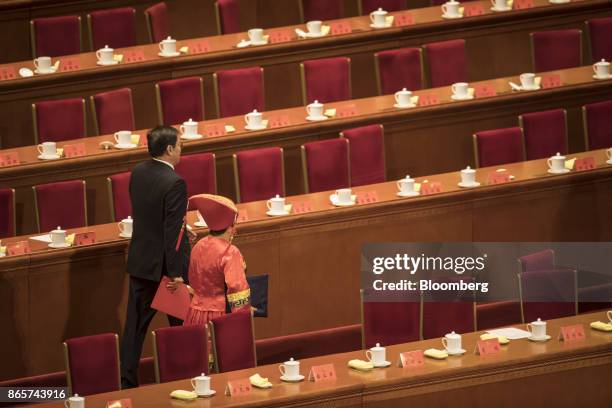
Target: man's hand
<point x="174" y="284"/>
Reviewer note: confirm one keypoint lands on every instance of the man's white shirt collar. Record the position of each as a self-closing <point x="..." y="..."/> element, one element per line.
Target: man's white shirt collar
<point x="165" y="162"/>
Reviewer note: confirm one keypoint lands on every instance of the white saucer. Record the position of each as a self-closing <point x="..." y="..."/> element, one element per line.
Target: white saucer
<point x="540" y="339"/>
<point x="260" y="127"/>
<point x="558" y="2"/>
<point x="534" y="88"/>
<point x="412" y="105"/>
<point x="456" y="353"/>
<point x="210" y="393"/>
<point x="606" y="77"/>
<point x="200" y="224"/>
<point x="383" y="365"/>
<point x="52" y="157"/>
<point x="410" y="194"/>
<point x="277" y="214"/>
<point x="124" y="236"/>
<point x="172" y="54"/>
<point x="501" y="9"/>
<point x="471" y="185"/>
<point x="451" y="17"/>
<point x="461" y="98"/>
<point x="53" y="70"/>
<point x="107" y="63"/>
<point x="243" y="44"/>
<point x="551" y="171"/>
<point x="194" y="137"/>
<point x="26" y="72"/>
<point x="316" y="118"/>
<point x="125" y="146"/>
<point x="384" y="26"/>
<point x="57" y="246"/>
<point x="264" y="42"/>
<point x="292" y="379"/>
<point x="312" y="35"/>
<point x="334" y="200"/>
<point x="609" y="161"/>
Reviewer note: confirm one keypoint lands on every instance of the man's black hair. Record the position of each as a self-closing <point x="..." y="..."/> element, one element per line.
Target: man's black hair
<point x="159" y="138"/>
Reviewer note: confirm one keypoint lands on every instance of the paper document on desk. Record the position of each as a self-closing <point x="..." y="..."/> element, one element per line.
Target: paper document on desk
<point x="510" y="333"/>
<point x="42" y="238"/>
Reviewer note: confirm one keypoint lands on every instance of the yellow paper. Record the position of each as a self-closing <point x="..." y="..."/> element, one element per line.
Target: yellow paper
<point x="602" y="326"/>
<point x="417" y="187"/>
<point x="414" y="99"/>
<point x="60" y="151"/>
<point x="510" y="3"/>
<point x="361" y="365"/>
<point x="259" y="381"/>
<point x="461" y="10"/>
<point x="501" y="339"/>
<point x="471" y="92"/>
<point x="3" y="250"/>
<point x="264" y="122"/>
<point x="229" y="129"/>
<point x="70" y="239"/>
<point x="184" y="395"/>
<point x="435" y="353"/>
<point x="266" y="37"/>
<point x="389" y="20"/>
<point x="569" y="164"/>
<point x="56" y="65"/>
<point x="538" y="80"/>
<point x="330" y="113"/>
<point x="135" y="139"/>
<point x="184" y="50"/>
<point x="325" y="29"/>
<point x="118" y="57"/>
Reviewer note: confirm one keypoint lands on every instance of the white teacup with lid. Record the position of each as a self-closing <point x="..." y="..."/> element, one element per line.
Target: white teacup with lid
<point x="126" y="226"/>
<point x="460" y="90"/>
<point x="253" y="120"/>
<point x="290" y="370"/>
<point x="47" y="150"/>
<point x="452" y="343"/>
<point x="314" y="27"/>
<point x="537" y="329"/>
<point x="556" y="164"/>
<point x="377" y="355"/>
<point x="344" y="195"/>
<point x="58" y="237"/>
<point x="450" y="9"/>
<point x="189" y="129"/>
<point x="528" y="80"/>
<point x="379" y="18"/>
<point x="406" y="187"/>
<point x="201" y="385"/>
<point x="123" y="138"/>
<point x="276" y="205"/>
<point x="403" y="98"/>
<point x="315" y="110"/>
<point x="43" y="65"/>
<point x="167" y="47"/>
<point x="602" y="69"/>
<point x="75" y="402"/>
<point x="609" y="316"/>
<point x="105" y="55"/>
<point x="468" y="177"/>
<point x="256" y="36"/>
<point x="609" y="155"/>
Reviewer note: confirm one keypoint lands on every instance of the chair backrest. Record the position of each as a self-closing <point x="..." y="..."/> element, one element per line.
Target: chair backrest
<point x="239" y="91"/>
<point x="228" y="16"/>
<point x="114" y="27"/>
<point x="119" y="195"/>
<point x="452" y="310"/>
<point x="545" y="133"/>
<point x="498" y="146"/>
<point x="158" y="23"/>
<point x="55" y="36"/>
<point x="446" y="62"/>
<point x="368" y="6"/>
<point x="7" y="213"/>
<point x="600" y="32"/>
<point x="179" y="100"/>
<point x="538" y="261"/>
<point x="320" y="10"/>
<point x="597" y="121"/>
<point x="326" y="80"/>
<point x="113" y="111"/>
<point x="61" y="204"/>
<point x="259" y="174"/>
<point x="548" y="294"/>
<point x="92" y="364"/>
<point x="233" y="341"/>
<point x="59" y="120"/>
<point x="325" y="165"/>
<point x="191" y="361"/>
<point x="556" y="49"/>
<point x="367" y="154"/>
<point x="398" y="69"/>
<point x="390" y="323"/>
<point x="199" y="172"/>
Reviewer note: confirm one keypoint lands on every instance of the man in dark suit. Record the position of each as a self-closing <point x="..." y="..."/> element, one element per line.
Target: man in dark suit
<point x="159" y="244"/>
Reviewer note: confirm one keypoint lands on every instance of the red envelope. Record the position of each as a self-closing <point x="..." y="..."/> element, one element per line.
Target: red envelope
<point x="499" y="177"/>
<point x="340" y="27"/>
<point x="214" y="130"/>
<point x="133" y="56"/>
<point x="428" y="99"/>
<point x="322" y="373"/>
<point x="279" y="121"/>
<point x="174" y="304"/>
<point x="431" y="188"/>
<point x="551" y="81"/>
<point x="238" y="387"/>
<point x="572" y="333"/>
<point x="85" y="238"/>
<point x="585" y="163"/>
<point x="367" y="197"/>
<point x="199" y="46"/>
<point x="474" y="10"/>
<point x="18" y="248"/>
<point x="523" y="4"/>
<point x="486" y="347"/>
<point x="7" y="73"/>
<point x="403" y="19"/>
<point x="9" y="159"/>
<point x="346" y="111"/>
<point x="302" y="207"/>
<point x="74" y="150"/>
<point x="279" y="36"/>
<point x="70" y="64"/>
<point x="411" y="359"/>
<point x="484" y="90"/>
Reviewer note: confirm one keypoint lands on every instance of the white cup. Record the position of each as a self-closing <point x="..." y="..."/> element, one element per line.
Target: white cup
<point x="58" y="236"/>
<point x="256" y="35"/>
<point x="314" y="27"/>
<point x="403" y="97"/>
<point x="126" y="226"/>
<point x="200" y="219"/>
<point x="344" y="195"/>
<point x="105" y="55"/>
<point x="527" y="80"/>
<point x="556" y="163"/>
<point x="468" y="176"/>
<point x="499" y="4"/>
<point x="75" y="402"/>
<point x="451" y="9"/>
<point x="379" y="17"/>
<point x="42" y="64"/>
<point x="253" y="119"/>
<point x="602" y="69"/>
<point x="315" y="109"/>
<point x="189" y="128"/>
<point x="609" y="154"/>
<point x="537" y="329"/>
<point x="290" y="369"/>
<point x="460" y="89"/>
<point x="609" y="316"/>
<point x="168" y="46"/>
<point x="452" y="342"/>
<point x="123" y="137"/>
<point x="276" y="204"/>
<point x="47" y="149"/>
<point x="201" y="384"/>
<point x="377" y="354"/>
<point x="405" y="185"/>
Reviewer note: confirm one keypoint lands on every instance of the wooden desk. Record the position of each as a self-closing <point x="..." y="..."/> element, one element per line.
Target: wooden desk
<point x="491" y="39"/>
<point x="419" y="141"/>
<point x="522" y="374"/>
<point x="313" y="259"/>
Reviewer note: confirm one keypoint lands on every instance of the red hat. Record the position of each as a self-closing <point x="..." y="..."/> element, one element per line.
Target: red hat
<point x="218" y="212"/>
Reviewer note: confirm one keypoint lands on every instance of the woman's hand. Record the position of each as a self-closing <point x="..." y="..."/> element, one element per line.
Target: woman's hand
<point x="174" y="284"/>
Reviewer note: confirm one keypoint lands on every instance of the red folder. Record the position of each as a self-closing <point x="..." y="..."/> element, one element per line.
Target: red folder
<point x="174" y="304"/>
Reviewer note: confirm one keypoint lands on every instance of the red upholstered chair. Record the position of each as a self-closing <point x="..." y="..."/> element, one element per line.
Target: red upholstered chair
<point x="367" y="153"/>
<point x="557" y="49"/>
<point x="325" y="165"/>
<point x="59" y="120"/>
<point x="119" y="195"/>
<point x="198" y="171"/>
<point x="259" y="174"/>
<point x="233" y="341"/>
<point x="545" y="133"/>
<point x="498" y="314"/>
<point x="440" y="317"/>
<point x="548" y="294"/>
<point x="228" y="16"/>
<point x="179" y="100"/>
<point x="7" y="213"/>
<point x="397" y="69"/>
<point x="446" y="62"/>
<point x="239" y="91"/>
<point x="61" y="204"/>
<point x="600" y="32"/>
<point x="390" y="323"/>
<point x="499" y="146"/>
<point x="596" y="297"/>
<point x="368" y="6"/>
<point x="158" y="23"/>
<point x="326" y="80"/>
<point x="320" y="10"/>
<point x="113" y="111"/>
<point x="191" y="361"/>
<point x="55" y="36"/>
<point x="92" y="364"/>
<point x="538" y="261"/>
<point x="114" y="27"/>
<point x="597" y="121"/>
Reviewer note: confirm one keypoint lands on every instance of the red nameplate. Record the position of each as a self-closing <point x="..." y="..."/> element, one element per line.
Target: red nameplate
<point x="70" y="64"/>
<point x="484" y="90"/>
<point x="302" y="207"/>
<point x="214" y="130"/>
<point x="523" y="4"/>
<point x="474" y="10"/>
<point x="199" y="47"/>
<point x="346" y="111"/>
<point x="243" y="216"/>
<point x="431" y="188"/>
<point x="74" y="150"/>
<point x="133" y="56"/>
<point x="7" y="73"/>
<point x="411" y="359"/>
<point x="403" y="19"/>
<point x="322" y="373"/>
<point x="279" y="36"/>
<point x="238" y="387"/>
<point x="143" y="141"/>
<point x="367" y="197"/>
<point x="18" y="248"/>
<point x="499" y="177"/>
<point x="485" y="347"/>
<point x="428" y="99"/>
<point x="122" y="403"/>
<point x="584" y="163"/>
<point x="572" y="333"/>
<point x="551" y="81"/>
<point x="279" y="121"/>
<point x="9" y="159"/>
<point x="85" y="238"/>
<point x="340" y="27"/>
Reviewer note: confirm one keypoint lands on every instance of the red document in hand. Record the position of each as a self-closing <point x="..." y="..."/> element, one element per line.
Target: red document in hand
<point x="172" y="303"/>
